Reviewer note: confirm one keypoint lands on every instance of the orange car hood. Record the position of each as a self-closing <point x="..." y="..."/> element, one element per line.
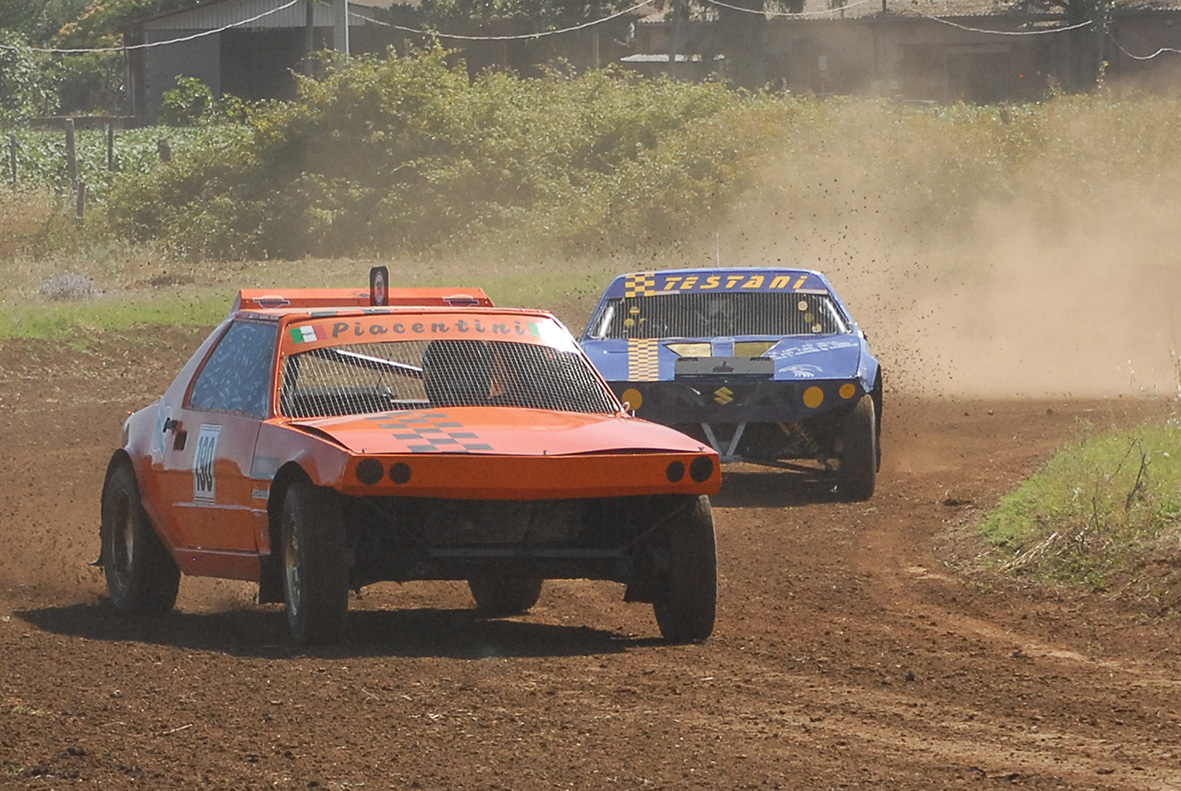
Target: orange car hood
<point x="499" y="430"/>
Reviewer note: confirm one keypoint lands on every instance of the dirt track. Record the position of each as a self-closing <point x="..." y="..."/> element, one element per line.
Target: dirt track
<point x="849" y="653"/>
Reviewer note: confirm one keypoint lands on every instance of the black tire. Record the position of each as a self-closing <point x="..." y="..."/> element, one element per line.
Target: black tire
<point x="686" y="594"/>
<point x="860" y="457"/>
<point x="141" y="576"/>
<point x="314" y="558"/>
<point x="501" y="596"/>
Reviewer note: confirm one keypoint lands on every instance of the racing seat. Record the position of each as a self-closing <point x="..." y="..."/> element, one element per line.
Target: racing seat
<point x="457" y="373"/>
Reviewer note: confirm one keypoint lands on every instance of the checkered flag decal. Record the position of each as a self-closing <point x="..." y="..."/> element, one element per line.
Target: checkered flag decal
<point x="643" y="361"/>
<point x="434" y="432"/>
<point x="639" y="285"/>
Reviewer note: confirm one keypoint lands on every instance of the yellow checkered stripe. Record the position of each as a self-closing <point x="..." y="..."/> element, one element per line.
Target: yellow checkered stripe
<point x="643" y="361"/>
<point x="639" y="285"/>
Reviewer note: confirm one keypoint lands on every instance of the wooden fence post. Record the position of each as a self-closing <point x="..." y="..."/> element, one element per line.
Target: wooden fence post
<point x="110" y="147"/>
<point x="12" y="148"/>
<point x="164" y="150"/>
<point x="80" y="205"/>
<point x="71" y="152"/>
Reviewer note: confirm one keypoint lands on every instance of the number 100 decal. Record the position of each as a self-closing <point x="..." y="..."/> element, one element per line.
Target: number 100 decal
<point x="204" y="480"/>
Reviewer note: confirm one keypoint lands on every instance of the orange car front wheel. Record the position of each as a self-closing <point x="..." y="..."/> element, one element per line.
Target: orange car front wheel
<point x="686" y="597"/>
<point x="315" y="564"/>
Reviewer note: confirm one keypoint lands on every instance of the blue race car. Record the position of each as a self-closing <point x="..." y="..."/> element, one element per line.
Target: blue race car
<point x="764" y="365"/>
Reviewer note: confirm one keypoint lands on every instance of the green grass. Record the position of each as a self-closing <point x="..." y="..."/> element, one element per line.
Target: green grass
<point x="1104" y="512"/>
<point x="66" y="320"/>
<point x="141" y="291"/>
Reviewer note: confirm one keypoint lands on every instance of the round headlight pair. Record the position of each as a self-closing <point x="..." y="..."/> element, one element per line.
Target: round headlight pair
<point x="370" y="472"/>
<point x="700" y="470"/>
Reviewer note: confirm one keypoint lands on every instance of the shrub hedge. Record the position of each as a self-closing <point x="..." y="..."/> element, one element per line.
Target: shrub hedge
<point x="407" y="154"/>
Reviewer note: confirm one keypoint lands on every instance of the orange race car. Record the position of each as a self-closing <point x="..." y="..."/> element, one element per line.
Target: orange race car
<point x="320" y="440"/>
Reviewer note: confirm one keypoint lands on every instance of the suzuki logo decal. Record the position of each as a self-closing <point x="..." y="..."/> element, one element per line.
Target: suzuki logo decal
<point x="723" y="395"/>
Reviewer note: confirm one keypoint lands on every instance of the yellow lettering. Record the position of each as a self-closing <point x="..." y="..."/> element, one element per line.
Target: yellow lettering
<point x="671" y="281"/>
<point x="732" y="280"/>
<point x="690" y="281"/>
<point x="780" y="281"/>
<point x="756" y="281"/>
<point x="799" y="283"/>
<point x="712" y="281"/>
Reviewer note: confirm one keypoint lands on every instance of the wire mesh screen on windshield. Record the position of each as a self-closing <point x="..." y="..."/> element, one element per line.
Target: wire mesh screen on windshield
<point x="696" y="315"/>
<point x="380" y="377"/>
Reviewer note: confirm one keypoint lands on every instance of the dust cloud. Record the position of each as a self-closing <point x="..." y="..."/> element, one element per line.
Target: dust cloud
<point x="1061" y="287"/>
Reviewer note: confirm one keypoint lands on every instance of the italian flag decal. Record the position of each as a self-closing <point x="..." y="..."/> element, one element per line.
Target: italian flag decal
<point x="308" y="334"/>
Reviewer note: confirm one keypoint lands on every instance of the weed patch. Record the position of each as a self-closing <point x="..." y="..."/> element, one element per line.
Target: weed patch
<point x="1104" y="512"/>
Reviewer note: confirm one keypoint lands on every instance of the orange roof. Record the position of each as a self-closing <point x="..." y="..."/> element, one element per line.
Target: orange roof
<point x="323" y="298"/>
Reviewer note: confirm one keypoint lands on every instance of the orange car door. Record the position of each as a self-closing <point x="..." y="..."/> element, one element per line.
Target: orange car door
<point x="209" y="496"/>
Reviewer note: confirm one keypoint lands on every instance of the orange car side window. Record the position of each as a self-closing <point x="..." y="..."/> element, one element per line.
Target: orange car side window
<point x="237" y="375"/>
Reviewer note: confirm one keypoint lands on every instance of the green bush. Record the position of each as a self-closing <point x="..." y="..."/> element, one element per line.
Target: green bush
<point x="25" y="89"/>
<point x="192" y="103"/>
<point x="409" y="154"/>
<point x="90" y="83"/>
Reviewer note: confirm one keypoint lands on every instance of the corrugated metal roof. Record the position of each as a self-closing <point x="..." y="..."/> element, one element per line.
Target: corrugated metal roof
<point x="221" y="13"/>
<point x="679" y="58"/>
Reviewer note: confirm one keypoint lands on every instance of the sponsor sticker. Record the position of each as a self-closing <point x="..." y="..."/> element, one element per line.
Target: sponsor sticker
<point x="204" y="476"/>
<point x="390" y="327"/>
<point x="649" y="284"/>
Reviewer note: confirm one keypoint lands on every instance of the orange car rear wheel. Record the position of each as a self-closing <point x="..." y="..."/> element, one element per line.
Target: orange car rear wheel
<point x="141" y="576"/>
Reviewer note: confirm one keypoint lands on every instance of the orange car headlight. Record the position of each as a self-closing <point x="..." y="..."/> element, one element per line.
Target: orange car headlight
<point x="701" y="469"/>
<point x="369" y="471"/>
<point x="400" y="472"/>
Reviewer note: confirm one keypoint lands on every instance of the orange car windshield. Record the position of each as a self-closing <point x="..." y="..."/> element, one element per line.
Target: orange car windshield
<point x="385" y="376"/>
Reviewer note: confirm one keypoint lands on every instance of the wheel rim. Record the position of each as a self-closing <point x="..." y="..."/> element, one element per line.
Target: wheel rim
<point x="291" y="565"/>
<point x="122" y="540"/>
